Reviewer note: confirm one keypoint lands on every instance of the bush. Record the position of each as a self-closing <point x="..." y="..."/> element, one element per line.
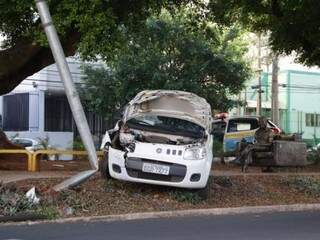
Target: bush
<point x="77" y="144"/>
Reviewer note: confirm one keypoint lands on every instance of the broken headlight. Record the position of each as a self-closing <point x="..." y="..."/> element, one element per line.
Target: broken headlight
<point x="194" y="153"/>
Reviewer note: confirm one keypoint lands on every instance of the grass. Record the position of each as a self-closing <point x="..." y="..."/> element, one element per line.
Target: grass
<point x="48" y="212"/>
<point x="181" y="195"/>
<point x="306" y="184"/>
<point x="13" y="202"/>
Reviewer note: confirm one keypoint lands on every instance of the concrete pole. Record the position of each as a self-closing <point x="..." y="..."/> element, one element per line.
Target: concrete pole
<point x="71" y="92"/>
<point x="275" y="90"/>
<point x="259" y="97"/>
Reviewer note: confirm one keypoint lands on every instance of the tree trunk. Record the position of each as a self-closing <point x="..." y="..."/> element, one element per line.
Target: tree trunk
<point x="11" y="161"/>
<point x="26" y="58"/>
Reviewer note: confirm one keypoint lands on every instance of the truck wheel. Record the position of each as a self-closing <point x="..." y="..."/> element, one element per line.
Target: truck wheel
<point x="103" y="166"/>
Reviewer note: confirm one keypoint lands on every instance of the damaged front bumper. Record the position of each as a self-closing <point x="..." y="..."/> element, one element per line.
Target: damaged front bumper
<point x="129" y="166"/>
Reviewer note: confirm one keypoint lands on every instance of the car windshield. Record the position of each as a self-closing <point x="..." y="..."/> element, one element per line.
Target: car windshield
<point x="245" y="124"/>
<point x="170" y="125"/>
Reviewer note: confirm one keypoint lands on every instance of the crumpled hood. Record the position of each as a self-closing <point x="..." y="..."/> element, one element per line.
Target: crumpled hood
<point x="176" y="104"/>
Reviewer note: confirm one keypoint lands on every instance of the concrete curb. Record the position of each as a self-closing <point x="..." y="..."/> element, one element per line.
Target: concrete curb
<point x="180" y="213"/>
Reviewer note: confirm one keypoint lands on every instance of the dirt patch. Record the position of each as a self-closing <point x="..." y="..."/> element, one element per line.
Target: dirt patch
<point x="100" y="197"/>
<point x="230" y="167"/>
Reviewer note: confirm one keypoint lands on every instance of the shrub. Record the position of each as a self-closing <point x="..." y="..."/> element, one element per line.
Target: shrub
<point x="77" y="144"/>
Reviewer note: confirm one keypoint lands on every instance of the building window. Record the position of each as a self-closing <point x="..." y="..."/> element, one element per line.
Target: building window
<point x="312" y="120"/>
<point x="58" y="116"/>
<point x="317" y="120"/>
<point x="16" y="112"/>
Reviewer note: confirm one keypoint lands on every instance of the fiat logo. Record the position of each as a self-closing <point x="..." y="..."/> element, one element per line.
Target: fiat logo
<point x="159" y="150"/>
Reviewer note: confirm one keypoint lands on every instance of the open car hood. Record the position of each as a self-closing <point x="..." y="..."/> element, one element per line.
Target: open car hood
<point x="169" y="103"/>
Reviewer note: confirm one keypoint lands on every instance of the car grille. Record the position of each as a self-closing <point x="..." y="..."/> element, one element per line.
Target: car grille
<point x="134" y="169"/>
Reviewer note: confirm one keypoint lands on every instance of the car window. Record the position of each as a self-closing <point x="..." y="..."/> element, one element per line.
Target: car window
<point x="165" y="124"/>
<point x="23" y="142"/>
<point x="236" y="125"/>
<point x="243" y="126"/>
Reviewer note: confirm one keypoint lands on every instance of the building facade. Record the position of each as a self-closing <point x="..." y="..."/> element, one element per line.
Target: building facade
<point x="299" y="93"/>
<point x="38" y="109"/>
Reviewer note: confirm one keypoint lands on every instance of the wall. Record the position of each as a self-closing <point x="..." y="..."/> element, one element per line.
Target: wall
<point x="304" y="88"/>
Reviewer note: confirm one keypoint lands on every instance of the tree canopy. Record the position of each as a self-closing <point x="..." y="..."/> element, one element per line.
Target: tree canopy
<point x="89" y="27"/>
<point x="293" y="24"/>
<point x="172" y="51"/>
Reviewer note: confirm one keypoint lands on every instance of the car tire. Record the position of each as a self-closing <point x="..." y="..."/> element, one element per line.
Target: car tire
<point x="104" y="167"/>
<point x="204" y="193"/>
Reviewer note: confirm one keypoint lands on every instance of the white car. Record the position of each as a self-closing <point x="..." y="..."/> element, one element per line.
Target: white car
<point x="28" y="143"/>
<point x="163" y="138"/>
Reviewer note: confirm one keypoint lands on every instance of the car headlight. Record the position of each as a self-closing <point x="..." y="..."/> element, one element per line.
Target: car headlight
<point x="194" y="153"/>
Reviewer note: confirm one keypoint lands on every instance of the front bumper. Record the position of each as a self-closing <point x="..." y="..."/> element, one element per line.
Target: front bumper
<point x="183" y="174"/>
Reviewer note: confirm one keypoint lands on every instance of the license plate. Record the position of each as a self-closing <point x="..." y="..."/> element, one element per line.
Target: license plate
<point x="155" y="168"/>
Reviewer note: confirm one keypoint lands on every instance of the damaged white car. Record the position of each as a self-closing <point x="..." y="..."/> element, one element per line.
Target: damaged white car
<point x="163" y="138"/>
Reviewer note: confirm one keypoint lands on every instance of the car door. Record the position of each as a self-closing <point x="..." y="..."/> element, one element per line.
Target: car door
<point x="238" y="129"/>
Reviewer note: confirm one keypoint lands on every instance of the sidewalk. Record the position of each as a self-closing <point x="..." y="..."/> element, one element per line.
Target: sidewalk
<point x="13" y="176"/>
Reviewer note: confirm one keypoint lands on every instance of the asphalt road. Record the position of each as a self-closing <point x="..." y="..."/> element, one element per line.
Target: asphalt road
<point x="282" y="226"/>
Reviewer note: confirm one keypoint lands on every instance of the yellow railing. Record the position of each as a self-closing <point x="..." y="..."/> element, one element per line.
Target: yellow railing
<point x="23" y="151"/>
<point x="33" y="162"/>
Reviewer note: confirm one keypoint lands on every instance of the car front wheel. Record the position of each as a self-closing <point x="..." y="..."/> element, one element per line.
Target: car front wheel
<point x="103" y="166"/>
<point x="204" y="193"/>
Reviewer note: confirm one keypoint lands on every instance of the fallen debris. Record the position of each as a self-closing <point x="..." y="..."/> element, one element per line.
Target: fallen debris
<point x="97" y="197"/>
<point x="32" y="197"/>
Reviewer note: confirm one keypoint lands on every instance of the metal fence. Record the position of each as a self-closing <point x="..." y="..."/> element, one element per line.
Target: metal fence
<point x="33" y="160"/>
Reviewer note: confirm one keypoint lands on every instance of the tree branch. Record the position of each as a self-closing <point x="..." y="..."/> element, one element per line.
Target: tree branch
<point x="27" y="58"/>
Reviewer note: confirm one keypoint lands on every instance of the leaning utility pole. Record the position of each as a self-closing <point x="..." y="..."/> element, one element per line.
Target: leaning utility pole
<point x="72" y="95"/>
<point x="259" y="97"/>
<point x="275" y="90"/>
